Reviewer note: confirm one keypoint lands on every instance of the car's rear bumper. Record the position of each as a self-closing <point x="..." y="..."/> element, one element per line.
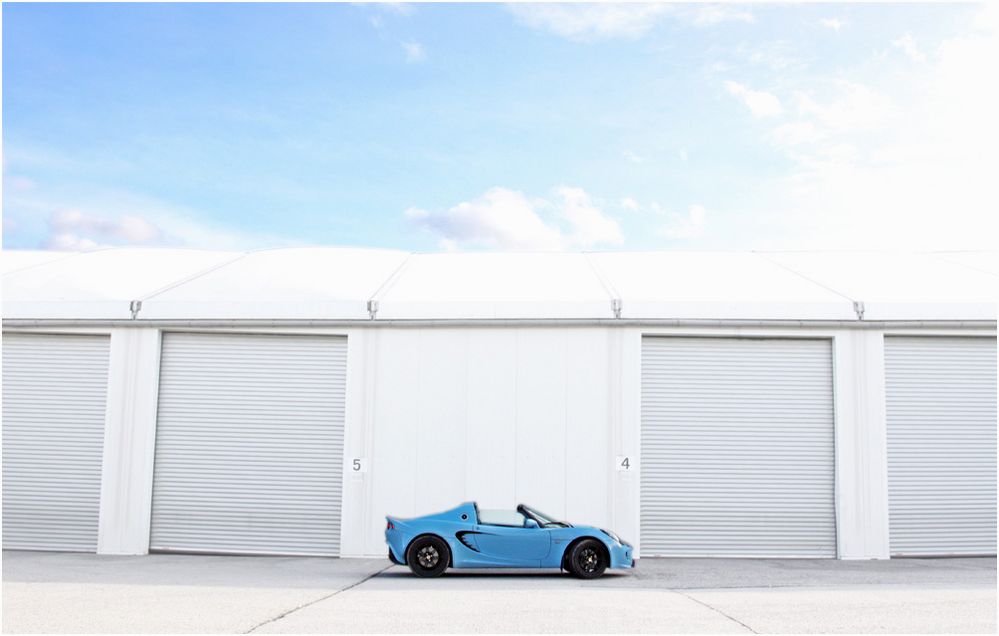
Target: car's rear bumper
<point x="397" y="542"/>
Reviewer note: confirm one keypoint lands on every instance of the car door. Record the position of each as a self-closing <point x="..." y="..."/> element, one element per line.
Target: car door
<point x="515" y="545"/>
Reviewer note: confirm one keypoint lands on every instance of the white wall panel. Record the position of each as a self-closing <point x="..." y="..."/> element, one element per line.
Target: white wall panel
<point x="395" y="384"/>
<point x="589" y="434"/>
<point x="129" y="441"/>
<point x="498" y="415"/>
<point x="861" y="456"/>
<point x="440" y="419"/>
<point x="541" y="426"/>
<point x="492" y="413"/>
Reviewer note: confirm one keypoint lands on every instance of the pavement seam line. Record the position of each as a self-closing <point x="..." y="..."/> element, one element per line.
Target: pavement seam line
<point x="714" y="609"/>
<point x="318" y="600"/>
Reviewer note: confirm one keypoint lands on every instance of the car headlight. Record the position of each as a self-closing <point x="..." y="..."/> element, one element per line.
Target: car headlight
<point x="612" y="535"/>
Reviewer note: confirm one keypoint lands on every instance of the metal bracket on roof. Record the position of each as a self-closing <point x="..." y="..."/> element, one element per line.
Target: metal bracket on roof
<point x="858" y="307"/>
<point x="135" y="306"/>
<point x="372" y="308"/>
<point x="616" y="307"/>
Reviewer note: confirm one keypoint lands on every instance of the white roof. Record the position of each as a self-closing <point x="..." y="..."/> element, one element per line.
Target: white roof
<point x="330" y="283"/>
<point x="707" y="285"/>
<point x="295" y="283"/>
<point x="496" y="285"/>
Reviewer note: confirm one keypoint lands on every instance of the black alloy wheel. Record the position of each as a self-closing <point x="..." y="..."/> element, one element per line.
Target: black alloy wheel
<point x="428" y="556"/>
<point x="588" y="559"/>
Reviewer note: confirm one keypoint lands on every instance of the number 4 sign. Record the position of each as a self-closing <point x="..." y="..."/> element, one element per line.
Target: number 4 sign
<point x="623" y="463"/>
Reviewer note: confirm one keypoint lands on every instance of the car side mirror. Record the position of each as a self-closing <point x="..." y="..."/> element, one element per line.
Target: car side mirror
<point x="531" y="523"/>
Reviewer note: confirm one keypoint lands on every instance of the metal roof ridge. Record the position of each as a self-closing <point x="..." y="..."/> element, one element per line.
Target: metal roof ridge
<point x="855" y="301"/>
<point x="195" y="275"/>
<point x="58" y="259"/>
<point x="372" y="304"/>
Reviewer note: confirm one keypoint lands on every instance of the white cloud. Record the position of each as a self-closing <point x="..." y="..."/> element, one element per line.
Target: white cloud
<point x="833" y="23"/>
<point x="397" y="8"/>
<point x="414" y="52"/>
<point x="709" y="15"/>
<point x="909" y="164"/>
<point x="507" y="219"/>
<point x="82" y="218"/>
<point x="604" y="20"/>
<point x="854" y="107"/>
<point x="683" y="154"/>
<point x="907" y="44"/>
<point x="629" y="204"/>
<point x="591" y="21"/>
<point x="632" y="157"/>
<point x="686" y="226"/>
<point x="18" y="182"/>
<point x="71" y="229"/>
<point x="589" y="226"/>
<point x="760" y="103"/>
<point x="796" y="133"/>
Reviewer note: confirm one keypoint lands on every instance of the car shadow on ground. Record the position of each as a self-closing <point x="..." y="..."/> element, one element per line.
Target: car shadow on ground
<point x="497" y="573"/>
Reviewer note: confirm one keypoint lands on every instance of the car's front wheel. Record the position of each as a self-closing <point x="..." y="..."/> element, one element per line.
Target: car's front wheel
<point x="428" y="556"/>
<point x="588" y="559"/>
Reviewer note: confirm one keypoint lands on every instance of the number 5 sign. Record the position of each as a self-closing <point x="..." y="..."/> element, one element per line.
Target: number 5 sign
<point x="358" y="465"/>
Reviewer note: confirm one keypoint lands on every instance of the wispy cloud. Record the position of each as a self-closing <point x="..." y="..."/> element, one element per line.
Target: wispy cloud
<point x="506" y="219"/>
<point x="712" y="14"/>
<point x="632" y="157"/>
<point x="72" y="229"/>
<point x="759" y="103"/>
<point x="686" y="226"/>
<point x="600" y="21"/>
<point x="591" y="21"/>
<point x="833" y="23"/>
<point x="630" y="204"/>
<point x="415" y="52"/>
<point x="83" y="219"/>
<point x="907" y="44"/>
<point x="910" y="172"/>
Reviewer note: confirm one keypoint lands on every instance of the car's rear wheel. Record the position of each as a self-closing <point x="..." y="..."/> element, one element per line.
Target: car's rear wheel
<point x="428" y="556"/>
<point x="588" y="559"/>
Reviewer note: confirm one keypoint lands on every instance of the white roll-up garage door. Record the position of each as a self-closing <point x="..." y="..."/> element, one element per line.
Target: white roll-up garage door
<point x="737" y="448"/>
<point x="54" y="402"/>
<point x="941" y="406"/>
<point x="249" y="444"/>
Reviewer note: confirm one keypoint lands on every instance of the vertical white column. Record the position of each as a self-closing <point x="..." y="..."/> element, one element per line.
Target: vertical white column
<point x="129" y="441"/>
<point x="861" y="445"/>
<point x="358" y="442"/>
<point x="626" y="389"/>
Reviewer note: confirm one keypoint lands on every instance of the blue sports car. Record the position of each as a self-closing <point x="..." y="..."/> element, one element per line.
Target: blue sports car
<point x="466" y="537"/>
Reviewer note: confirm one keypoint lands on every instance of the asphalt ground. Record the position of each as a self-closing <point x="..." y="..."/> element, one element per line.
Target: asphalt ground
<point x="60" y="592"/>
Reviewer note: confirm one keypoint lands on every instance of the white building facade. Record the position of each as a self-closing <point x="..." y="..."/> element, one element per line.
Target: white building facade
<point x="837" y="405"/>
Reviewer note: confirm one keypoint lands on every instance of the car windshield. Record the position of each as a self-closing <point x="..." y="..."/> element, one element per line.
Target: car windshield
<point x="501" y="518"/>
<point x="543" y="520"/>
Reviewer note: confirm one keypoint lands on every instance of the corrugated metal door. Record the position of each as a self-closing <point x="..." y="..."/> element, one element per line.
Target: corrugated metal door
<point x="54" y="402"/>
<point x="737" y="448"/>
<point x="941" y="404"/>
<point x="249" y="444"/>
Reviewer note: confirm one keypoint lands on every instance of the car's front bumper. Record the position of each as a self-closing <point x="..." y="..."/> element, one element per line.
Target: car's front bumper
<point x="622" y="556"/>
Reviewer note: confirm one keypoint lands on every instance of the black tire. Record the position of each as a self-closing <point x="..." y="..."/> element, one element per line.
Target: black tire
<point x="587" y="559"/>
<point x="428" y="556"/>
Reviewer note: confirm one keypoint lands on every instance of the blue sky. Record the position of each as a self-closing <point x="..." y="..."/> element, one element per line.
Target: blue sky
<point x="430" y="127"/>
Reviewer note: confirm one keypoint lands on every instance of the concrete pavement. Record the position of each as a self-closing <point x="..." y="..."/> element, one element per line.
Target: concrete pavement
<point x="54" y="592"/>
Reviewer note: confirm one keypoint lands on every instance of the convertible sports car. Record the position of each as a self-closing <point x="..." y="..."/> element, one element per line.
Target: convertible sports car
<point x="466" y="537"/>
